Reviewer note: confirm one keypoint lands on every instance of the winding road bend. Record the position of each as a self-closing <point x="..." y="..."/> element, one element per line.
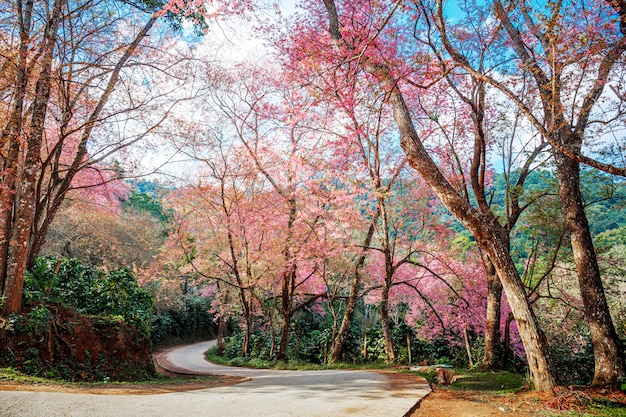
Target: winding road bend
<point x="331" y="393"/>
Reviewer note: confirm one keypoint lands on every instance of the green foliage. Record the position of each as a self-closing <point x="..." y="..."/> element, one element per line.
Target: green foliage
<point x="177" y="325"/>
<point x="147" y="202"/>
<point x="35" y="322"/>
<point x="575" y="368"/>
<point x="311" y="343"/>
<point x="119" y="294"/>
<point x="87" y="291"/>
<point x="261" y="345"/>
<point x="15" y="376"/>
<point x="541" y="224"/>
<point x="312" y="336"/>
<point x="608" y="239"/>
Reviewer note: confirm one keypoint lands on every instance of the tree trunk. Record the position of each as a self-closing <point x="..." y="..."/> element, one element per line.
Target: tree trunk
<point x="607" y="348"/>
<point x="384" y="321"/>
<point x="492" y="323"/>
<point x="468" y="347"/>
<point x="348" y="317"/>
<point x="535" y="342"/>
<point x="25" y="202"/>
<point x="245" y="346"/>
<point x="507" y="341"/>
<point x="609" y="357"/>
<point x="11" y="139"/>
<point x="284" y="337"/>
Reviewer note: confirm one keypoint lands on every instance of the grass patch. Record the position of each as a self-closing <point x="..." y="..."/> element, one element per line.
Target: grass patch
<point x="10" y="375"/>
<point x="14" y="376"/>
<point x="290" y="365"/>
<point x="595" y="409"/>
<point x="490" y="382"/>
<point x="501" y="382"/>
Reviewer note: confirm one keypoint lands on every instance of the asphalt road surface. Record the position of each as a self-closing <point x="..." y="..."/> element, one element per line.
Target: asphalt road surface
<point x="266" y="393"/>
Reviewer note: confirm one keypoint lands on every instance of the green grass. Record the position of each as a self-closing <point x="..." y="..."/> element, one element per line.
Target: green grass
<point x="498" y="382"/>
<point x="291" y="365"/>
<point x="594" y="410"/>
<point x="13" y="376"/>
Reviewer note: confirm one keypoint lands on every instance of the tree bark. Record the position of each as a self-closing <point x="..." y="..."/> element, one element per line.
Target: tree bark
<point x="11" y="139"/>
<point x="387" y="280"/>
<point x="607" y="347"/>
<point x="288" y="283"/>
<point x="25" y="203"/>
<point x="384" y="321"/>
<point x="492" y="323"/>
<point x="24" y="219"/>
<point x="283" y="346"/>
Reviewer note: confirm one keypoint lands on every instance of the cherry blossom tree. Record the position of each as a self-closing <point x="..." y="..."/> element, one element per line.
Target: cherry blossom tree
<point x="362" y="47"/>
<point x="569" y="75"/>
<point x="67" y="110"/>
<point x="266" y="195"/>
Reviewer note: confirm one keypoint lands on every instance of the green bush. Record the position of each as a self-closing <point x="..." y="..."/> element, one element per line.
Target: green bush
<point x="87" y="291"/>
<point x="194" y="320"/>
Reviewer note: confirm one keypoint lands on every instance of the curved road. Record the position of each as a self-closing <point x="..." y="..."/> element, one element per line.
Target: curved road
<point x="332" y="393"/>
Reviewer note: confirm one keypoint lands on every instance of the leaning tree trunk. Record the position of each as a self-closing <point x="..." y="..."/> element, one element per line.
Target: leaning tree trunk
<point x="492" y="323"/>
<point x="607" y="348"/>
<point x="348" y="317"/>
<point x="490" y="236"/>
<point x="533" y="338"/>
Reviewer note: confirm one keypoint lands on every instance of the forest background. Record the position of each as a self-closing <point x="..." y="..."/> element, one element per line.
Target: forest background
<point x="396" y="181"/>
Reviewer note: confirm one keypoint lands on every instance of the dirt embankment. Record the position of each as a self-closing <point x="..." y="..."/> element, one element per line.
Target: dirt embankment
<point x="70" y="346"/>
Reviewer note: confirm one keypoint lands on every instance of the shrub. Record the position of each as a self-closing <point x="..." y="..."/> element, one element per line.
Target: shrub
<point x="87" y="291"/>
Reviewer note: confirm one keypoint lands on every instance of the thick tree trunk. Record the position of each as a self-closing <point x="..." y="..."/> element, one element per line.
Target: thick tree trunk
<point x="607" y="348"/>
<point x="535" y="342"/>
<point x="492" y="323"/>
<point x="23" y="224"/>
<point x="25" y="201"/>
<point x="11" y="139"/>
<point x="609" y="357"/>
